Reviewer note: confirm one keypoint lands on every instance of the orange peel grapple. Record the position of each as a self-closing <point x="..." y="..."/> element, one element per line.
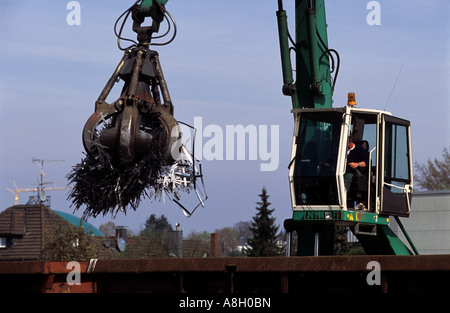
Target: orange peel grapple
<point x="138" y="120"/>
<point x="133" y="145"/>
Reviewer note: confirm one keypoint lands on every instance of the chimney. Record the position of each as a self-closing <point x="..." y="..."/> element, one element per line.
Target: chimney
<point x="121" y="238"/>
<point x="214" y="245"/>
<point x="176" y="242"/>
<point x="121" y="232"/>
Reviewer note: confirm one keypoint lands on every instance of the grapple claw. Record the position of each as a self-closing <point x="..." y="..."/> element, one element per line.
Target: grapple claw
<point x="133" y="145"/>
<point x="128" y="127"/>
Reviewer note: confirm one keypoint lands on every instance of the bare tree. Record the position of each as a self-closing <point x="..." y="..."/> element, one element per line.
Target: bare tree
<point x="228" y="240"/>
<point x="244" y="231"/>
<point x="434" y="175"/>
<point x="108" y="229"/>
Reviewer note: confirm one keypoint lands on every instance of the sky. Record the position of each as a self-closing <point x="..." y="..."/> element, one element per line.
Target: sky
<point x="223" y="67"/>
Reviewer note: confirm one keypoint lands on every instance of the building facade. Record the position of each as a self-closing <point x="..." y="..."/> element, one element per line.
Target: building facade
<point x="428" y="225"/>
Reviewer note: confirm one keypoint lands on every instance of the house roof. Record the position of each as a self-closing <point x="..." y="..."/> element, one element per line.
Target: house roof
<point x="24" y="227"/>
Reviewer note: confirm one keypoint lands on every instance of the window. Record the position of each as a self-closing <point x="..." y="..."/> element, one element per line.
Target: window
<point x="396" y="156"/>
<point x="316" y="158"/>
<point x="370" y="135"/>
<point x="395" y="191"/>
<point x="2" y="242"/>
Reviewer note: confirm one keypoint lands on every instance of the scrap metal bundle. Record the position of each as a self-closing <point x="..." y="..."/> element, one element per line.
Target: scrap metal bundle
<point x="104" y="186"/>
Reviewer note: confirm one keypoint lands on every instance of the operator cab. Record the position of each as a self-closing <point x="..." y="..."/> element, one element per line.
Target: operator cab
<point x="319" y="165"/>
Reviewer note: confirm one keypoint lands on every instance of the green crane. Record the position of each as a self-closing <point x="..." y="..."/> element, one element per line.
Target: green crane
<point x="326" y="188"/>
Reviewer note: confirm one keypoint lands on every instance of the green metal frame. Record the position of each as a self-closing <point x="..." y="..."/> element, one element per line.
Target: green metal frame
<point x="313" y="88"/>
<point x="383" y="241"/>
<point x="146" y="6"/>
<point x="341" y="216"/>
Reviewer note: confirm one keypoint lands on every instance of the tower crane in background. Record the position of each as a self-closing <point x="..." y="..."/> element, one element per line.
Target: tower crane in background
<point x="17" y="191"/>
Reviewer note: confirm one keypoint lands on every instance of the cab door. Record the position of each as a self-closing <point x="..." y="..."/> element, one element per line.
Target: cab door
<point x="396" y="175"/>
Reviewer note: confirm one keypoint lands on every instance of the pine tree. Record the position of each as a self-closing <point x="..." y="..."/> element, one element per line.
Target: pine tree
<point x="156" y="226"/>
<point x="264" y="230"/>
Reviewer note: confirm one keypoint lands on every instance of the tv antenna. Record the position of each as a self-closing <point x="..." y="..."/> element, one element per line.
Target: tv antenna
<point x="41" y="190"/>
<point x="41" y="197"/>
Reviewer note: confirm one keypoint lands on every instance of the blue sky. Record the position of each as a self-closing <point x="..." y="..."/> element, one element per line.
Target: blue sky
<point x="224" y="66"/>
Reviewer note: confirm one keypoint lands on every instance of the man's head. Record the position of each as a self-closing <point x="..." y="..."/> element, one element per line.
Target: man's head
<point x="350" y="143"/>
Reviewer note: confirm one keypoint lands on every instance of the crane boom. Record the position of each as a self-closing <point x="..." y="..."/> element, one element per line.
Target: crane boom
<point x="313" y="87"/>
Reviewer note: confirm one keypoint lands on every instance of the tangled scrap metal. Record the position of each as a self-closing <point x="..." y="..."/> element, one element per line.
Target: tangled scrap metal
<point x="104" y="188"/>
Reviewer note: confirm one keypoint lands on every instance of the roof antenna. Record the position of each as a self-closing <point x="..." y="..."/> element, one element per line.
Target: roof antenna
<point x="393" y="88"/>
